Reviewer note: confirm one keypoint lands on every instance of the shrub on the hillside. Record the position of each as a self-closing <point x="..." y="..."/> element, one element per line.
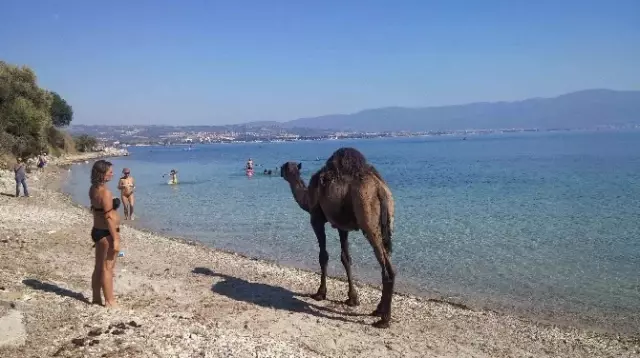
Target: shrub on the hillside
<point x="7" y="141"/>
<point x="69" y="143"/>
<point x="24" y="110"/>
<point x="28" y="113"/>
<point x="56" y="138"/>
<point x="85" y="143"/>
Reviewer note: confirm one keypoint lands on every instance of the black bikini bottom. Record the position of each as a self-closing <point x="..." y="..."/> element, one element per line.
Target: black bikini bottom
<point x="98" y="234"/>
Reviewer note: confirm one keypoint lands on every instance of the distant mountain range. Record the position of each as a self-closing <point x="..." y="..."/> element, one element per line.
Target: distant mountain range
<point x="582" y="109"/>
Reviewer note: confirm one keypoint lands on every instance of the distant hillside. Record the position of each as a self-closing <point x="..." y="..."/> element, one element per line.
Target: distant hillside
<point x="583" y="109"/>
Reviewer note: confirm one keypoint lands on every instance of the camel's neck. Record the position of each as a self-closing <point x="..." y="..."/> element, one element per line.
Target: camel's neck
<point x="300" y="193"/>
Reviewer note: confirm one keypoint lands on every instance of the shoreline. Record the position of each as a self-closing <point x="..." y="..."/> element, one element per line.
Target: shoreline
<point x="69" y="159"/>
<point x="426" y="134"/>
<point x="604" y="320"/>
<point x="562" y="318"/>
<point x="254" y="307"/>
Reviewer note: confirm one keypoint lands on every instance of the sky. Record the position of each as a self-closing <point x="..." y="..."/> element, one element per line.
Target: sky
<point x="223" y="62"/>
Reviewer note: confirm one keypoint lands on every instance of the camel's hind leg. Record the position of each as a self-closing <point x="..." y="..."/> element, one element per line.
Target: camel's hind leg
<point x="317" y="222"/>
<point x="345" y="257"/>
<point x="368" y="211"/>
<point x="388" y="281"/>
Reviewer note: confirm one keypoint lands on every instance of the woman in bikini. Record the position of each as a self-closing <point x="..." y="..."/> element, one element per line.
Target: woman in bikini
<point x="126" y="186"/>
<point x="105" y="232"/>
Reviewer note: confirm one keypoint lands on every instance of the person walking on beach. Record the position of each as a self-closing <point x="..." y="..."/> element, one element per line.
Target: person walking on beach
<point x="42" y="161"/>
<point x="20" y="170"/>
<point x="105" y="232"/>
<point x="126" y="186"/>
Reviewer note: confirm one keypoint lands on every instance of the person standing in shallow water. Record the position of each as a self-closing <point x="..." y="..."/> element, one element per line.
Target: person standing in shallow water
<point x="173" y="176"/>
<point x="20" y="170"/>
<point x="126" y="186"/>
<point x="105" y="232"/>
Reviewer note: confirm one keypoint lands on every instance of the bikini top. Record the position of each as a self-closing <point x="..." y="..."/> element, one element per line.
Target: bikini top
<point x="116" y="205"/>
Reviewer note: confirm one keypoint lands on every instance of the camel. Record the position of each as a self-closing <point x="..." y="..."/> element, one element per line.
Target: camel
<point x="351" y="195"/>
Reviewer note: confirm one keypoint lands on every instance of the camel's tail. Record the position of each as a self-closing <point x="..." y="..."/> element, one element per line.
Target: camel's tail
<point x="386" y="219"/>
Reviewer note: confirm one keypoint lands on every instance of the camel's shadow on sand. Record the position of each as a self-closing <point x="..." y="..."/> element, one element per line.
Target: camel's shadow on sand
<point x="47" y="287"/>
<point x="271" y="297"/>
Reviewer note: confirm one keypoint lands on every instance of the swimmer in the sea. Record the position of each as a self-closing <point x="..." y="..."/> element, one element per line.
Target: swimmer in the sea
<point x="126" y="186"/>
<point x="173" y="175"/>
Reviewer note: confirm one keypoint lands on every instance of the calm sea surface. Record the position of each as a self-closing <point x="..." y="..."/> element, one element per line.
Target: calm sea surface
<point x="541" y="223"/>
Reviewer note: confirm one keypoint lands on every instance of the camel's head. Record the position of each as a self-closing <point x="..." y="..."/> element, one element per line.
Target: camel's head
<point x="290" y="170"/>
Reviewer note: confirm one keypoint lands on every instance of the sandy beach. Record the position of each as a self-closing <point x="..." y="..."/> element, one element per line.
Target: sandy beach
<point x="182" y="299"/>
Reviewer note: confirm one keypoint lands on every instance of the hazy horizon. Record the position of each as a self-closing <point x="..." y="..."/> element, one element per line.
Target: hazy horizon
<point x="206" y="63"/>
<point x="187" y="124"/>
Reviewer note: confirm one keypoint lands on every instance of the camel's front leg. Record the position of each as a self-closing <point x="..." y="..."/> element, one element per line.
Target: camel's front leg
<point x="318" y="222"/>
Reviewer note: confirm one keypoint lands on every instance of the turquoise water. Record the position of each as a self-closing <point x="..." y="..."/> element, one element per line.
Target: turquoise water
<point x="544" y="223"/>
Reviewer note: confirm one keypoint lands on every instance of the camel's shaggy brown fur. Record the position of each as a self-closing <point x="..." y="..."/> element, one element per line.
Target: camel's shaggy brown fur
<point x="350" y="194"/>
<point x="348" y="162"/>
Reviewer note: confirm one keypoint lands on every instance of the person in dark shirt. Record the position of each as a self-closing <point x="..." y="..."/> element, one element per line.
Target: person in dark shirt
<point x="21" y="177"/>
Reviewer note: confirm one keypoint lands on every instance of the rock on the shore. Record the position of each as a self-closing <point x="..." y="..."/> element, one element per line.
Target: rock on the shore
<point x="7" y="182"/>
<point x="12" y="331"/>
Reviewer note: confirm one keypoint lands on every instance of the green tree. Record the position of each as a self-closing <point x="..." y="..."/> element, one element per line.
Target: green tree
<point x="29" y="114"/>
<point x="85" y="143"/>
<point x="61" y="111"/>
<point x="24" y="110"/>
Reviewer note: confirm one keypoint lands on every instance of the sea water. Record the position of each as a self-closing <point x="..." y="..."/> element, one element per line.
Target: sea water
<point x="546" y="223"/>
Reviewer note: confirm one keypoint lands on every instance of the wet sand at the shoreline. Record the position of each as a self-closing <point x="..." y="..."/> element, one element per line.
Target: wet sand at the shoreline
<point x="608" y="323"/>
<point x="182" y="299"/>
<point x="559" y="312"/>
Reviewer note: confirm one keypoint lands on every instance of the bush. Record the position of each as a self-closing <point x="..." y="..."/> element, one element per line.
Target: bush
<point x="85" y="143"/>
<point x="69" y="143"/>
<point x="56" y="138"/>
<point x="29" y="146"/>
<point x="60" y="142"/>
<point x="24" y="110"/>
<point x="28" y="114"/>
<point x="7" y="142"/>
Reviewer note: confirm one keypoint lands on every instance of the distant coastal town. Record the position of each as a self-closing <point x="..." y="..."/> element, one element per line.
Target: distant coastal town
<point x="124" y="136"/>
